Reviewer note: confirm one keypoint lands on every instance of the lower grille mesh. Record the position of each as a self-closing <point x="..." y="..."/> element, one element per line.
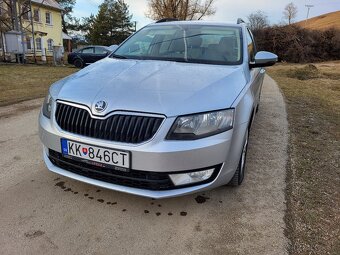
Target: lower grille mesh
<point x="133" y="178"/>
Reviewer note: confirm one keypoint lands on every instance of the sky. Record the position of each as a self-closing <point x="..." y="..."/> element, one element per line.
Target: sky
<point x="226" y="10"/>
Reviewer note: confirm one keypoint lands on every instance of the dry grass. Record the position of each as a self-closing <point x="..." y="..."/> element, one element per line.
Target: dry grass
<point x="23" y="82"/>
<point x="322" y="22"/>
<point x="313" y="102"/>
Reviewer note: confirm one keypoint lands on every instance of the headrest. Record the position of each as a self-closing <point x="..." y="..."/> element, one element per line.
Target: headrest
<point x="194" y="41"/>
<point x="227" y="42"/>
<point x="177" y="45"/>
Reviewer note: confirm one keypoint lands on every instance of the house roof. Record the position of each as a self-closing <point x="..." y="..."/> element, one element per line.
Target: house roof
<point x="49" y="3"/>
<point x="66" y="37"/>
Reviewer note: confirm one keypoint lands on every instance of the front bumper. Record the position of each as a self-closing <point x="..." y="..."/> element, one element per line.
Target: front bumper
<point x="156" y="155"/>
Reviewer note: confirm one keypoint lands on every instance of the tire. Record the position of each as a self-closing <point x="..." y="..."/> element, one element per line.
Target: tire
<point x="78" y="63"/>
<point x="240" y="171"/>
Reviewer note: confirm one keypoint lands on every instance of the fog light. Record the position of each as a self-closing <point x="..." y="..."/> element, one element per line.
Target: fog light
<point x="193" y="177"/>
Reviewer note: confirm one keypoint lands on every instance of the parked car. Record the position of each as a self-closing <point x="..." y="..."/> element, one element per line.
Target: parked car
<point x="88" y="55"/>
<point x="167" y="114"/>
<point x="113" y="47"/>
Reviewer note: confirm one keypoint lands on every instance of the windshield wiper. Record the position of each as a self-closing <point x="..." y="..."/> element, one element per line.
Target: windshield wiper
<point x="118" y="56"/>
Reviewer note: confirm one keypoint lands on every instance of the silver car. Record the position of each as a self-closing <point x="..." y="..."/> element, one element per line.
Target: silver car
<point x="167" y="114"/>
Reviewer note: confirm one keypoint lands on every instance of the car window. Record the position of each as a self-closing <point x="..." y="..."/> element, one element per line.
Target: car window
<point x="87" y="50"/>
<point x="186" y="43"/>
<point x="251" y="46"/>
<point x="100" y="50"/>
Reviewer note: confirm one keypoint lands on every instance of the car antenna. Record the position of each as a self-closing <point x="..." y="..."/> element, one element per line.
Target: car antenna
<point x="240" y="21"/>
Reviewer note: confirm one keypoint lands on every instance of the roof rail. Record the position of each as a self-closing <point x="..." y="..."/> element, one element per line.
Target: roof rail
<point x="166" y="20"/>
<point x="239" y="21"/>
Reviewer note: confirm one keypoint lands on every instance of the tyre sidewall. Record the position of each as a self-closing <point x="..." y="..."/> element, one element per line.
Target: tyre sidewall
<point x="78" y="63"/>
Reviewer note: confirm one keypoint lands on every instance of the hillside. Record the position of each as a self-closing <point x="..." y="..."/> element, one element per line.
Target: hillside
<point x="322" y="22"/>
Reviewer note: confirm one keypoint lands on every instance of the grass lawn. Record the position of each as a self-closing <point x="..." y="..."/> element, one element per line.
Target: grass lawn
<point x="312" y="95"/>
<point x="23" y="82"/>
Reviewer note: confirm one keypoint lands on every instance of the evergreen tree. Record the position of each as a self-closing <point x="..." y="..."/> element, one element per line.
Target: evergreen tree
<point x="68" y="21"/>
<point x="111" y="25"/>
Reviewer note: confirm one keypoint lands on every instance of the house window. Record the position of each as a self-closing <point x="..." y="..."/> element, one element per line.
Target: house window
<point x="38" y="43"/>
<point x="36" y="15"/>
<point x="50" y="44"/>
<point x="48" y="18"/>
<point x="25" y="13"/>
<point x="28" y="43"/>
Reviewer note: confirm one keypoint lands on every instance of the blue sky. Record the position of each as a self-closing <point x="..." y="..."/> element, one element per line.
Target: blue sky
<point x="227" y="10"/>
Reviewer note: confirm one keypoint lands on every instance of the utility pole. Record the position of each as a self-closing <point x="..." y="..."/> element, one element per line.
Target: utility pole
<point x="17" y="28"/>
<point x="308" y="9"/>
<point x="14" y="16"/>
<point x="33" y="33"/>
<point x="23" y="45"/>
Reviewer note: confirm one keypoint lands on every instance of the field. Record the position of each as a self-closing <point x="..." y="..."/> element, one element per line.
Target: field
<point x="322" y="22"/>
<point x="23" y="82"/>
<point x="312" y="95"/>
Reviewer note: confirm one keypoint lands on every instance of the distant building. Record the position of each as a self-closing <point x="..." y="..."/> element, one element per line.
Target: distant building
<point x="47" y="26"/>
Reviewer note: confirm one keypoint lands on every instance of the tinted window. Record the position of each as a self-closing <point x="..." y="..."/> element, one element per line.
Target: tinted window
<point x="87" y="50"/>
<point x="100" y="50"/>
<point x="186" y="43"/>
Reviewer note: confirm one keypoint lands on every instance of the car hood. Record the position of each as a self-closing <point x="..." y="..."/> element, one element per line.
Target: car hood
<point x="162" y="87"/>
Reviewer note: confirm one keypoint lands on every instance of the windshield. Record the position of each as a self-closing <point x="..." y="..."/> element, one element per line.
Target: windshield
<point x="206" y="44"/>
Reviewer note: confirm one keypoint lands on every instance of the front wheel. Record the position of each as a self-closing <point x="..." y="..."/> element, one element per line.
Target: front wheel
<point x="78" y="63"/>
<point x="240" y="171"/>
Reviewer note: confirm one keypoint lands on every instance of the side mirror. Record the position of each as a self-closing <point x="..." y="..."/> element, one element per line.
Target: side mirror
<point x="264" y="58"/>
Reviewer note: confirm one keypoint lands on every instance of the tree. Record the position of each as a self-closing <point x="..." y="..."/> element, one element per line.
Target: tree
<point x="111" y="25"/>
<point x="257" y="20"/>
<point x="6" y="16"/>
<point x="68" y="21"/>
<point x="290" y="12"/>
<point x="180" y="9"/>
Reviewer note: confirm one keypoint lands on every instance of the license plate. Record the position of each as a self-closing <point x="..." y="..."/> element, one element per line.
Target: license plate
<point x="90" y="153"/>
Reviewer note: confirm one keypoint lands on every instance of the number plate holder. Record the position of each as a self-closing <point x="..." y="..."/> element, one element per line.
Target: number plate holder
<point x="114" y="159"/>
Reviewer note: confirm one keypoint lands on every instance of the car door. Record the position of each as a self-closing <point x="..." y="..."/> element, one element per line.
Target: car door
<point x="87" y="54"/>
<point x="100" y="53"/>
<point x="256" y="74"/>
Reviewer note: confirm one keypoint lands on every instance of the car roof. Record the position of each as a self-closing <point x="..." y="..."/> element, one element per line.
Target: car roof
<point x="102" y="46"/>
<point x="95" y="46"/>
<point x="198" y="22"/>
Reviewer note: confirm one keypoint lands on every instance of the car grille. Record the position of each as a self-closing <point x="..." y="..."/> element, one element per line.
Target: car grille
<point x="132" y="178"/>
<point x="119" y="128"/>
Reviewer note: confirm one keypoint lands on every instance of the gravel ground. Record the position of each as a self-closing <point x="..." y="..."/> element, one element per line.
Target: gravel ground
<point x="43" y="213"/>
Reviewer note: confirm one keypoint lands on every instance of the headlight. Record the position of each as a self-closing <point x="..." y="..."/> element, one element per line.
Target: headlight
<point x="192" y="127"/>
<point x="47" y="106"/>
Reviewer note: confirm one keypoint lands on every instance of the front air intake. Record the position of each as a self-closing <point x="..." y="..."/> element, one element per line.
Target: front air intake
<point x="119" y="128"/>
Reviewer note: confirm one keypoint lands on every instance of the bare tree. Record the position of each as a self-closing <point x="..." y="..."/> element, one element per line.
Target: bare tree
<point x="180" y="9"/>
<point x="290" y="12"/>
<point x="257" y="20"/>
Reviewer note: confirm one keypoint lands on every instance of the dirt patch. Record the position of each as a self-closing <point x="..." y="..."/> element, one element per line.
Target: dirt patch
<point x="304" y="73"/>
<point x="34" y="234"/>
